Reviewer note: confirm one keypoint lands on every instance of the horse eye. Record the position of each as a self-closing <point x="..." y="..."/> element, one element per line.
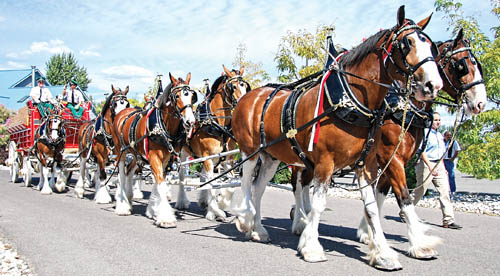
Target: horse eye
<point x="410" y="42"/>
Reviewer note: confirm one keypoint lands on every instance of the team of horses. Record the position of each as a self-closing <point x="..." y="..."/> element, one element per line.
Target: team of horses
<point x="393" y="69"/>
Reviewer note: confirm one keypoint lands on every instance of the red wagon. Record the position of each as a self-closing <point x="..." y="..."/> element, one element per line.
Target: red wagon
<point x="22" y="134"/>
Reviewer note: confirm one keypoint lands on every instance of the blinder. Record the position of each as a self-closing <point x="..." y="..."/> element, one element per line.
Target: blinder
<point x="460" y="67"/>
<point x="405" y="46"/>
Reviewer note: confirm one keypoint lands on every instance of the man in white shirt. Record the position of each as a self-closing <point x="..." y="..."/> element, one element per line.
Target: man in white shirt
<point x="41" y="97"/>
<point x="431" y="159"/>
<point x="74" y="99"/>
<point x="449" y="159"/>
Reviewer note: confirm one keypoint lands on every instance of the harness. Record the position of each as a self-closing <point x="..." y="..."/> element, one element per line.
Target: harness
<point x="55" y="145"/>
<point x="207" y="121"/>
<point x="460" y="68"/>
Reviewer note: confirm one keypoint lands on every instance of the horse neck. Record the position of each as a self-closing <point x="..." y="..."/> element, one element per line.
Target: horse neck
<point x="172" y="123"/>
<point x="368" y="93"/>
<point x="108" y="121"/>
<point x="220" y="108"/>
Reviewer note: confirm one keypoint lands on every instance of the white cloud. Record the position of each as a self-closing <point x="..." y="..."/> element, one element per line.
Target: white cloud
<point x="54" y="46"/>
<point x="127" y="71"/>
<point x="89" y="53"/>
<point x="13" y="65"/>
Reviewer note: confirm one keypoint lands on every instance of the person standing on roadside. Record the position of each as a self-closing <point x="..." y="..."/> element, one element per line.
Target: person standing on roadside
<point x="430" y="168"/>
<point x="449" y="160"/>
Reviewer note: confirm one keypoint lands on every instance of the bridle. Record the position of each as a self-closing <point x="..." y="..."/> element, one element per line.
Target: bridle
<point x="229" y="89"/>
<point x="404" y="48"/>
<point x="173" y="97"/>
<point x="459" y="67"/>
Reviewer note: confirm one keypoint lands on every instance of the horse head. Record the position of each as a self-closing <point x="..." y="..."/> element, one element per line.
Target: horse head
<point x="412" y="54"/>
<point x="234" y="87"/>
<point x="463" y="74"/>
<point x="55" y="128"/>
<point x="182" y="97"/>
<point x="118" y="101"/>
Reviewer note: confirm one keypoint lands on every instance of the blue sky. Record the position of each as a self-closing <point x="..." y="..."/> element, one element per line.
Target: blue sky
<point x="129" y="42"/>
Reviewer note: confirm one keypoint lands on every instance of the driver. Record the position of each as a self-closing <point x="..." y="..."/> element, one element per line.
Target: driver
<point x="74" y="99"/>
<point x="42" y="98"/>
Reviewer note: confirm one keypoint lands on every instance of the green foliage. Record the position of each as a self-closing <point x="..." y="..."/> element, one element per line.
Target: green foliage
<point x="4" y="115"/>
<point x="282" y="176"/>
<point x="479" y="136"/>
<point x="411" y="178"/>
<point x="98" y="107"/>
<point x="61" y="68"/>
<point x="254" y="74"/>
<point x="303" y="46"/>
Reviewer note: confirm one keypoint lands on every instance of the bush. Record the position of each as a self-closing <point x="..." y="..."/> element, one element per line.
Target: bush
<point x="282" y="176"/>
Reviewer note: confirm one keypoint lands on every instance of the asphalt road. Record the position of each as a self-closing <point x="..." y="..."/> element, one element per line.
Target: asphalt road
<point x="62" y="235"/>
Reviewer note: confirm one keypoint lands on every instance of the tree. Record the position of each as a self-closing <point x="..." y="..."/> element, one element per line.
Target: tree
<point x="61" y="68"/>
<point x="479" y="136"/>
<point x="307" y="47"/>
<point x="254" y="74"/>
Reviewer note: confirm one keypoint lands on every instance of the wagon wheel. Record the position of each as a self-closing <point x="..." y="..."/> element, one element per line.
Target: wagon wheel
<point x="27" y="170"/>
<point x="13" y="162"/>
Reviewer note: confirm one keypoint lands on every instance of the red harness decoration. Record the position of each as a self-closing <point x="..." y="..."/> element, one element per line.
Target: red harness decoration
<point x="146" y="146"/>
<point x="320" y="107"/>
<point x="386" y="54"/>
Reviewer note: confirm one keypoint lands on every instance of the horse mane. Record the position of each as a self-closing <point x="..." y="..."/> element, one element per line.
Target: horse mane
<point x="107" y="103"/>
<point x="163" y="99"/>
<point x="217" y="82"/>
<point x="358" y="53"/>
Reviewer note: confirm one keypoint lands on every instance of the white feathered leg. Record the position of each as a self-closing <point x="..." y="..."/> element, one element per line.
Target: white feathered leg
<point x="309" y="246"/>
<point x="137" y="188"/>
<point x="81" y="178"/>
<point x="123" y="204"/>
<point x="422" y="246"/>
<point x="246" y="211"/>
<point x="165" y="216"/>
<point x="381" y="255"/>
<point x="266" y="173"/>
<point x="102" y="195"/>
<point x="364" y="235"/>
<point x="60" y="185"/>
<point x="300" y="214"/>
<point x="44" y="185"/>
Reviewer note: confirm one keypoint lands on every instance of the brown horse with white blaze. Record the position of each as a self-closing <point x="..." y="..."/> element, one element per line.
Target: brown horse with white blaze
<point x="153" y="136"/>
<point x="50" y="139"/>
<point x="339" y="143"/>
<point x="96" y="142"/>
<point x="212" y="135"/>
<point x="463" y="79"/>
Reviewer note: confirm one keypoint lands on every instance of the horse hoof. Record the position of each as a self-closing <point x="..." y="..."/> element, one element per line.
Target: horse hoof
<point x="44" y="192"/>
<point x="424" y="254"/>
<point x="242" y="227"/>
<point x="123" y="212"/>
<point x="256" y="237"/>
<point x="210" y="216"/>
<point x="314" y="257"/>
<point x="387" y="264"/>
<point x="165" y="224"/>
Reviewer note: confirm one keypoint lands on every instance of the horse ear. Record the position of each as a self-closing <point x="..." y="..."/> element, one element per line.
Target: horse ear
<point x="188" y="78"/>
<point x="113" y="89"/>
<point x="423" y="23"/>
<point x="459" y="37"/>
<point x="172" y="79"/>
<point x="228" y="73"/>
<point x="401" y="15"/>
<point x="126" y="91"/>
<point x="242" y="70"/>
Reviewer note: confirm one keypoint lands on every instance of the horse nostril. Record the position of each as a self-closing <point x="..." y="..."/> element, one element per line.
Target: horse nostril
<point x="480" y="106"/>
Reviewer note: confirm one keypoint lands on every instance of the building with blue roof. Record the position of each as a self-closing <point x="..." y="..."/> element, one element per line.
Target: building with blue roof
<point x="15" y="86"/>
